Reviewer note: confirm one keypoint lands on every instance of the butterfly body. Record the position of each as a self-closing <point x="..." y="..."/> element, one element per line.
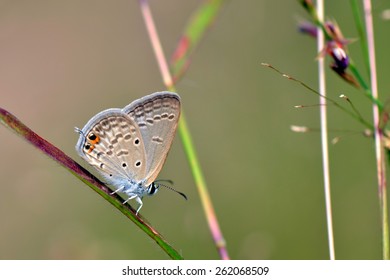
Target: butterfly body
<point x="129" y="146"/>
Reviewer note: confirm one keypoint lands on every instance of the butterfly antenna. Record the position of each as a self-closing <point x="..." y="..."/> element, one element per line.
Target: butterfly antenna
<point x="78" y="130"/>
<point x="165" y="181"/>
<point x="170" y="188"/>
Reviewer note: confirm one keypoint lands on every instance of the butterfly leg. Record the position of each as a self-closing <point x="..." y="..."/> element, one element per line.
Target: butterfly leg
<point x="129" y="198"/>
<point x="118" y="190"/>
<point x="138" y="199"/>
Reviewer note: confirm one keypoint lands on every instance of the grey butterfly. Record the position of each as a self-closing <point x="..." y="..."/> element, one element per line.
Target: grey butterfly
<point x="129" y="146"/>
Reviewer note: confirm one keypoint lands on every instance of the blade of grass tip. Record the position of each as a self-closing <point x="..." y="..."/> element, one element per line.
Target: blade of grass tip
<point x="198" y="25"/>
<point x="324" y="132"/>
<point x="13" y="123"/>
<point x="379" y="149"/>
<point x="185" y="136"/>
<point x="346" y="98"/>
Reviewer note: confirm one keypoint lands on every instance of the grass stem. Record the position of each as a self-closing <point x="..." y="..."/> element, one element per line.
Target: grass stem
<point x="185" y="135"/>
<point x="324" y="132"/>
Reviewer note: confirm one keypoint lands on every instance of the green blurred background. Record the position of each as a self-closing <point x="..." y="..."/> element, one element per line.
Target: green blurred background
<point x="61" y="62"/>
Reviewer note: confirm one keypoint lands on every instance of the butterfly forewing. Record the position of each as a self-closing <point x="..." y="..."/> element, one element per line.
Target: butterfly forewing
<point x="112" y="143"/>
<point x="156" y="116"/>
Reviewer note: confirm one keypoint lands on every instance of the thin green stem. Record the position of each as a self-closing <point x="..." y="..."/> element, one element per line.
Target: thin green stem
<point x="324" y="133"/>
<point x="385" y="226"/>
<point x="379" y="149"/>
<point x="185" y="135"/>
<point x="360" y="29"/>
<point x="202" y="188"/>
<point x="358" y="117"/>
<point x="199" y="23"/>
<point x="353" y="107"/>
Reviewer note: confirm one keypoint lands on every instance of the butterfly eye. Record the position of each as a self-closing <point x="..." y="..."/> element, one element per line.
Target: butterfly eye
<point x="153" y="188"/>
<point x="93" y="138"/>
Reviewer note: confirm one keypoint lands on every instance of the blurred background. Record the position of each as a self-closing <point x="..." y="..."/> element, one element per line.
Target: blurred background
<point x="61" y="62"/>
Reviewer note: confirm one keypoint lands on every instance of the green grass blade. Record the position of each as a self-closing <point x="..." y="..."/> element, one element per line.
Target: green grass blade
<point x="357" y="16"/>
<point x="185" y="135"/>
<point x="195" y="31"/>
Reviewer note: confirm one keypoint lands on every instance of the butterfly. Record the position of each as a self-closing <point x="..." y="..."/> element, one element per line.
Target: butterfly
<point x="129" y="146"/>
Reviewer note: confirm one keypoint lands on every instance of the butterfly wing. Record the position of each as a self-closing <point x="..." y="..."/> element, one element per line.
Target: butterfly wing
<point x="112" y="143"/>
<point x="157" y="116"/>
